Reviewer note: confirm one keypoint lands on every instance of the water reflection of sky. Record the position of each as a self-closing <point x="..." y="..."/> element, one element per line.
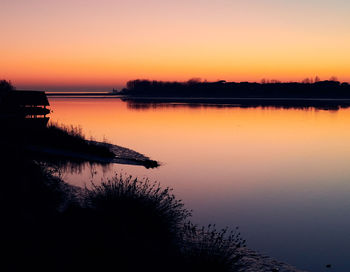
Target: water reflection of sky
<point x="282" y="175"/>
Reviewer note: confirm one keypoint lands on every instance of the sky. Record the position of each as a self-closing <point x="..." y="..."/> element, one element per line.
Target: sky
<point x="101" y="44"/>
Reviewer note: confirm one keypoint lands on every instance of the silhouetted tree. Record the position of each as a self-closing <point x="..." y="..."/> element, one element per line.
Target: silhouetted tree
<point x="274" y="81"/>
<point x="194" y="80"/>
<point x="306" y="81"/>
<point x="6" y="86"/>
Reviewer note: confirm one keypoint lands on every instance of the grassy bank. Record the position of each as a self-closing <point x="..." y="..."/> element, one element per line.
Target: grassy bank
<point x="68" y="138"/>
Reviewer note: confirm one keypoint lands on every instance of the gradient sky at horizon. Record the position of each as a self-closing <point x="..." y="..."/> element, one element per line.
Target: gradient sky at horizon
<point x="100" y="44"/>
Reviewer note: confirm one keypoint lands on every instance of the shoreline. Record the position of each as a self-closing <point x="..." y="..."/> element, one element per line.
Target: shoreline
<point x="281" y="102"/>
<point x="122" y="155"/>
<point x="253" y="261"/>
<point x="231" y="99"/>
<point x="188" y="98"/>
<point x="250" y="261"/>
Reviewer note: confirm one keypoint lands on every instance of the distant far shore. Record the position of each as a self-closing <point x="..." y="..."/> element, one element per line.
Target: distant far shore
<point x="328" y="94"/>
<point x="193" y="99"/>
<point x="242" y="90"/>
<point x="226" y="99"/>
<point x="82" y="94"/>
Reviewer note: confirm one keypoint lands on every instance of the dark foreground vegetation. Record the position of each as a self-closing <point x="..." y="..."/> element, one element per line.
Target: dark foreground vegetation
<point x="124" y="224"/>
<point x="330" y="89"/>
<point x="67" y="138"/>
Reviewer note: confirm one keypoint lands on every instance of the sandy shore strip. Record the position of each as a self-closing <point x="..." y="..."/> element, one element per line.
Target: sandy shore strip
<point x="125" y="155"/>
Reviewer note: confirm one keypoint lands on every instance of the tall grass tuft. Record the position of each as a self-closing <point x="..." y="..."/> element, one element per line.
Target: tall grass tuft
<point x="129" y="223"/>
<point x="73" y="131"/>
<point x="70" y="138"/>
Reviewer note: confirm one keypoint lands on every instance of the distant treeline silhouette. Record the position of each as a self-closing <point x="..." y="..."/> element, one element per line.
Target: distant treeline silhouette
<point x="266" y="89"/>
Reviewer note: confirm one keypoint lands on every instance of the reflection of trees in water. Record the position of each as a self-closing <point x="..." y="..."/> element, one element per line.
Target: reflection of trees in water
<point x="74" y="167"/>
<point x="298" y="105"/>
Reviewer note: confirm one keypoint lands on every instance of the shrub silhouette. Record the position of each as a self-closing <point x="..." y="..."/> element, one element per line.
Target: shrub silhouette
<point x="148" y="221"/>
<point x="139" y="203"/>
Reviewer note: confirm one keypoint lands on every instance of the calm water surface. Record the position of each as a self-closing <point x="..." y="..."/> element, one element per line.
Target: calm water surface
<point x="281" y="175"/>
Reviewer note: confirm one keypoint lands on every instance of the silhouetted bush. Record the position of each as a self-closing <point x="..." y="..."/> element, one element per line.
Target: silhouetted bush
<point x="146" y="217"/>
<point x="139" y="202"/>
<point x="128" y="223"/>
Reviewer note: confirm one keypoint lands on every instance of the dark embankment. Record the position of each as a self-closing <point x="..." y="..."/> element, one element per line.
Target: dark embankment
<point x="24" y="114"/>
<point x="21" y="104"/>
<point x="68" y="143"/>
<point x="68" y="138"/>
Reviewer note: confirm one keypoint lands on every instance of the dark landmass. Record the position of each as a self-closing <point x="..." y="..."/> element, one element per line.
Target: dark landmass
<point x="68" y="143"/>
<point x="23" y="104"/>
<point x="222" y="89"/>
<point x="55" y="142"/>
<point x="24" y="113"/>
<point x="328" y="95"/>
<point x="70" y="138"/>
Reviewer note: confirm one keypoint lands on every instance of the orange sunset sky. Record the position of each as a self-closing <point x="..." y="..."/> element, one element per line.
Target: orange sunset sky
<point x="101" y="44"/>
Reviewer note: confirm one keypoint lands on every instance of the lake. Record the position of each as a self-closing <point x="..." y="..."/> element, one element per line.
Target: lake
<point x="281" y="175"/>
